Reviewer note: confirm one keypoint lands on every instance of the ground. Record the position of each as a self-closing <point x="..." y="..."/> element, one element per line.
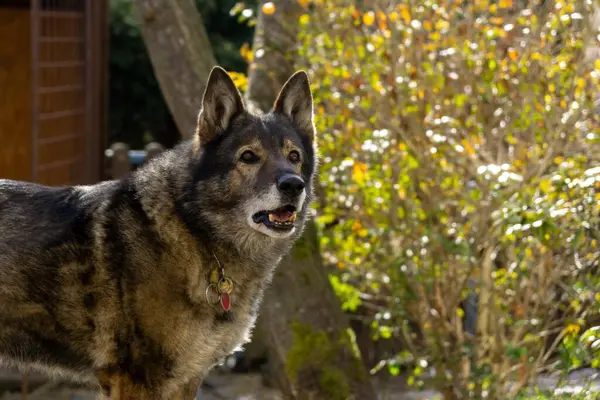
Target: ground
<point x="228" y="386"/>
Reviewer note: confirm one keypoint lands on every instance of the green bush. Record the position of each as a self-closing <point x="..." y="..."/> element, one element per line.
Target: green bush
<point x="461" y="147"/>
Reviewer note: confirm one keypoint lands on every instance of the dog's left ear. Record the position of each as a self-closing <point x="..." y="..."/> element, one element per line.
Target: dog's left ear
<point x="222" y="102"/>
<point x="296" y="102"/>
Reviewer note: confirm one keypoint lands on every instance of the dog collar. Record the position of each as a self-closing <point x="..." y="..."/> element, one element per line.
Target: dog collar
<point x="219" y="287"/>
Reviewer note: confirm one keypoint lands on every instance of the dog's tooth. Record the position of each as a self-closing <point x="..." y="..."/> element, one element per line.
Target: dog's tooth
<point x="293" y="217"/>
<point x="271" y="218"/>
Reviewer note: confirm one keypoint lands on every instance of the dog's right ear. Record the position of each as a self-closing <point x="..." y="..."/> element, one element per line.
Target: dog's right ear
<point x="221" y="103"/>
<point x="295" y="101"/>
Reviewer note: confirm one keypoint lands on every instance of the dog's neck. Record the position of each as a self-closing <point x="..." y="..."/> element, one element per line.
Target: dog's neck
<point x="238" y="260"/>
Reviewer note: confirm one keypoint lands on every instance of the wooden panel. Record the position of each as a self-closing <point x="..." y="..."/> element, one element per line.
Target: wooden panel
<point x="58" y="127"/>
<point x="67" y="74"/>
<point x="15" y="99"/>
<point x="60" y="150"/>
<point x="61" y="116"/>
<point x="63" y="49"/>
<point x="61" y="101"/>
<point x="63" y="24"/>
<point x="61" y="173"/>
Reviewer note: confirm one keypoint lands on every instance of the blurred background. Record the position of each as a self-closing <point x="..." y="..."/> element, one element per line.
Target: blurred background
<point x="453" y="252"/>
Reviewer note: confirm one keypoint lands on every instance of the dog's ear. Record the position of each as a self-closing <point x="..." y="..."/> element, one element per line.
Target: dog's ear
<point x="296" y="102"/>
<point x="220" y="104"/>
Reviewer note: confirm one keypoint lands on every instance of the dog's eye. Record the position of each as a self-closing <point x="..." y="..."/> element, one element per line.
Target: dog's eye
<point x="294" y="156"/>
<point x="249" y="157"/>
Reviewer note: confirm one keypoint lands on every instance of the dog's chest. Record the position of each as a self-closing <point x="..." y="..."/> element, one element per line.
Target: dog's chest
<point x="217" y="333"/>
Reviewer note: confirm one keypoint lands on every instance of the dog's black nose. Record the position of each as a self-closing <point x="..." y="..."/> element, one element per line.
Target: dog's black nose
<point x="291" y="185"/>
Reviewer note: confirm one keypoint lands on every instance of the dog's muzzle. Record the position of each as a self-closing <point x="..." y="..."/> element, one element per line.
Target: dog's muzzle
<point x="275" y="213"/>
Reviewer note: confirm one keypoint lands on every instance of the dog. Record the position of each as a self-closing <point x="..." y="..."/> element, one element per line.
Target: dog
<point x="141" y="285"/>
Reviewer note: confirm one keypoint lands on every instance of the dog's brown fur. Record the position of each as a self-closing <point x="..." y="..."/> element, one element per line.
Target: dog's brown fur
<point x="106" y="283"/>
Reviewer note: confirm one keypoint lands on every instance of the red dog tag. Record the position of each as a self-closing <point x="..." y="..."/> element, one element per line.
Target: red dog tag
<point x="225" y="301"/>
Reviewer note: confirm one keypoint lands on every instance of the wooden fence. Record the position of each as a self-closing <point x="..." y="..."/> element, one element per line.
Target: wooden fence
<point x="119" y="159"/>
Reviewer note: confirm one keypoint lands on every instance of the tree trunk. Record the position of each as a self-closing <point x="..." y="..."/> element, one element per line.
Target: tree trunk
<point x="308" y="336"/>
<point x="312" y="349"/>
<point x="181" y="55"/>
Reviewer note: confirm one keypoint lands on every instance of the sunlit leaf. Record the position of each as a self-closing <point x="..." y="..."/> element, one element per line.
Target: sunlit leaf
<point x="268" y="8"/>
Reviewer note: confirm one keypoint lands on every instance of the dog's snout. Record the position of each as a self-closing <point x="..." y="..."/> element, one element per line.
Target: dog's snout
<point x="291" y="185"/>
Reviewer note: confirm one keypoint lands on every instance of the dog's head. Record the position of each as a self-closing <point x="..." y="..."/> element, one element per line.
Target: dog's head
<point x="255" y="172"/>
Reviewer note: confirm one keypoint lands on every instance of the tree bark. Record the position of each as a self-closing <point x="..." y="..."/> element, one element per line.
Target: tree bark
<point x="308" y="337"/>
<point x="181" y="55"/>
<point x="311" y="346"/>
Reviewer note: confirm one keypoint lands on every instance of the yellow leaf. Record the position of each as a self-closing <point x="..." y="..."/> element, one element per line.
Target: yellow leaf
<point x="303" y="3"/>
<point x="546" y="185"/>
<point x="581" y="83"/>
<point x="369" y="18"/>
<point x="268" y="8"/>
<point x="394" y="17"/>
<point x="246" y="53"/>
<point x="240" y="80"/>
<point x="442" y="24"/>
<point x="405" y="14"/>
<point x="597" y="64"/>
<point x="304" y="19"/>
<point x="512" y="54"/>
<point x="505" y="3"/>
<point x="358" y="172"/>
<point x="402" y="194"/>
<point x="518" y="164"/>
<point x="468" y="148"/>
<point x="572" y="328"/>
<point x="427" y="25"/>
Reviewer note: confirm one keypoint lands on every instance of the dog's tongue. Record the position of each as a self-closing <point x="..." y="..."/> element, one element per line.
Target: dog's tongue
<point x="282" y="215"/>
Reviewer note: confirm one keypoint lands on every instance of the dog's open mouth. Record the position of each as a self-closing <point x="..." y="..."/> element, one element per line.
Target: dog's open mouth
<point x="282" y="218"/>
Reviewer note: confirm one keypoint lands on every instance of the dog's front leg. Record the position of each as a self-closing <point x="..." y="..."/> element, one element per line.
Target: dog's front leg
<point x="116" y="386"/>
<point x="189" y="391"/>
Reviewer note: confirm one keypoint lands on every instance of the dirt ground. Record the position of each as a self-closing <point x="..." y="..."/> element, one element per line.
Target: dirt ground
<point x="218" y="386"/>
<point x="229" y="386"/>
